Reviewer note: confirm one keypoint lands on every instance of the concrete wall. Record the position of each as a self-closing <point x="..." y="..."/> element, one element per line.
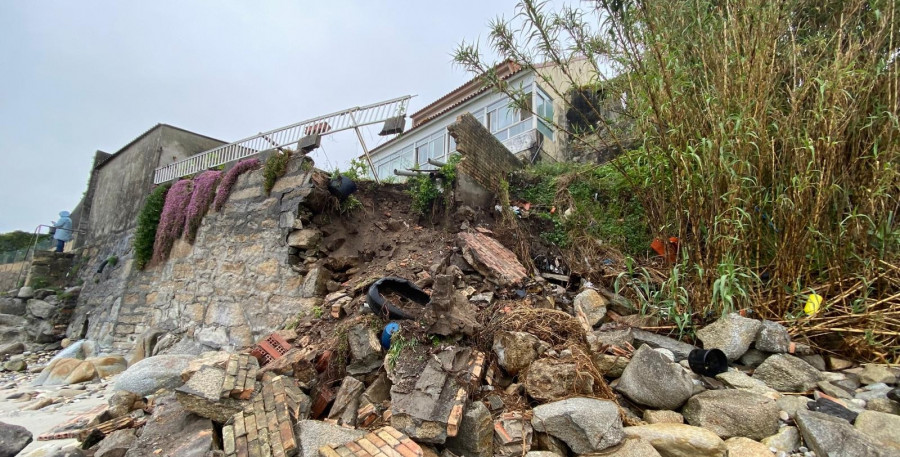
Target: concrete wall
<point x="230" y="288"/>
<point x="124" y="181"/>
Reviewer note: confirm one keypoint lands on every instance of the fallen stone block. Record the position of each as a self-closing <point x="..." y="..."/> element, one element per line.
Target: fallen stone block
<point x="512" y="435"/>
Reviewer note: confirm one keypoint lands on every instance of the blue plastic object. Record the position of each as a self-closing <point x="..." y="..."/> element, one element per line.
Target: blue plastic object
<point x="386" y="334"/>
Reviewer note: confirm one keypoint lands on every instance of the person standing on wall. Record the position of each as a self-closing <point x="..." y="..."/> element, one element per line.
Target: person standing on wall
<point x="63" y="230"/>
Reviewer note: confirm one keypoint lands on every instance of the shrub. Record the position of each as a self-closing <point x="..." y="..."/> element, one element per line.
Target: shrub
<point x="147" y="223"/>
<point x="230" y="178"/>
<point x="424" y="189"/>
<point x="171" y="221"/>
<point x="276" y="167"/>
<point x="357" y="171"/>
<point x="201" y="198"/>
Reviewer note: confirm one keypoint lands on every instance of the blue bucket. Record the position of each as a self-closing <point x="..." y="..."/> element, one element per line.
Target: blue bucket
<point x="389" y="330"/>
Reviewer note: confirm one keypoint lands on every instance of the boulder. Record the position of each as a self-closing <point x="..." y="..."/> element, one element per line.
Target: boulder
<point x="216" y="359"/>
<point x="662" y="416"/>
<point x="516" y="350"/>
<point x="786" y="440"/>
<point x="13" y="306"/>
<point x="791" y="404"/>
<point x="25" y="292"/>
<point x="586" y="425"/>
<point x="753" y="357"/>
<point x="737" y="379"/>
<point x="84" y="372"/>
<point x="609" y="365"/>
<point x="619" y="338"/>
<point x="732" y="333"/>
<point x="772" y="337"/>
<point x="40" y="309"/>
<point x="829" y="436"/>
<point x="315" y="284"/>
<point x="15" y="365"/>
<point x="880" y="426"/>
<point x="153" y="373"/>
<point x="365" y="350"/>
<point x="80" y="349"/>
<point x="172" y="431"/>
<point x="552" y="379"/>
<point x="590" y="307"/>
<point x="652" y="380"/>
<point x="108" y="365"/>
<point x="678" y="348"/>
<point x="311" y="435"/>
<point x="476" y="433"/>
<point x="873" y="373"/>
<point x="733" y="412"/>
<point x="786" y="373"/>
<point x="883" y="405"/>
<point x="13" y="438"/>
<point x="629" y="448"/>
<point x="745" y="447"/>
<point x="12" y="349"/>
<point x="116" y="444"/>
<point x="676" y="440"/>
<point x="57" y="372"/>
<point x="305" y="239"/>
<point x="122" y="402"/>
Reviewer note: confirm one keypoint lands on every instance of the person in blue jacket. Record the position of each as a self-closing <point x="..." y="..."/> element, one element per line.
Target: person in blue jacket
<point x="63" y="230"/>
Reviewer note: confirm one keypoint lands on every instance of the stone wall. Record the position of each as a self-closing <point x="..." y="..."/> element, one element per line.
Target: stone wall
<point x="485" y="159"/>
<point x="231" y="288"/>
<point x="50" y="270"/>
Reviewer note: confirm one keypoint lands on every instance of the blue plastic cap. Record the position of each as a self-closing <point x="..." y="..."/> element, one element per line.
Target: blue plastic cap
<point x="389" y="330"/>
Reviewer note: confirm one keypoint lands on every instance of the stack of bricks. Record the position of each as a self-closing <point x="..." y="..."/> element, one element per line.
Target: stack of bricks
<point x="240" y="377"/>
<point x="384" y="442"/>
<point x="485" y="158"/>
<point x="266" y="426"/>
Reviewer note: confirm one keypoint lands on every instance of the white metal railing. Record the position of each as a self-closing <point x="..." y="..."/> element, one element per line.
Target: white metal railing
<point x="329" y="123"/>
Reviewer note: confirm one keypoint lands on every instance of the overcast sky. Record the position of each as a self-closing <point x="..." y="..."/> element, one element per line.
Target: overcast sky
<point x="78" y="76"/>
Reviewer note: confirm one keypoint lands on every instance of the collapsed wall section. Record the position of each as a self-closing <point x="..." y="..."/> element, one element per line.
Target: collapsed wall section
<point x="229" y="289"/>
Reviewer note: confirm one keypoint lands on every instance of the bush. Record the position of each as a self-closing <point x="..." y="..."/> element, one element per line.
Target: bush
<point x="276" y="167"/>
<point x="230" y="178"/>
<point x="171" y="221"/>
<point x="147" y="223"/>
<point x="424" y="189"/>
<point x="201" y="198"/>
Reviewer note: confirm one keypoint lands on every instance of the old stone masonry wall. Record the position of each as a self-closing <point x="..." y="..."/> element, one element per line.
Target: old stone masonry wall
<point x="231" y="288"/>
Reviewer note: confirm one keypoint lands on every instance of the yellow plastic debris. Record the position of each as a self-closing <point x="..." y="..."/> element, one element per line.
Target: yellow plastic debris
<point x="813" y="303"/>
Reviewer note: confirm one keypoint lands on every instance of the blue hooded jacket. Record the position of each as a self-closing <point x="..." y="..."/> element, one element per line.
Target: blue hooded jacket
<point x="63" y="227"/>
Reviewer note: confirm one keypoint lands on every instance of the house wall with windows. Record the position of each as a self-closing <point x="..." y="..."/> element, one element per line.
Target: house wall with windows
<point x="520" y="130"/>
<point x="528" y="133"/>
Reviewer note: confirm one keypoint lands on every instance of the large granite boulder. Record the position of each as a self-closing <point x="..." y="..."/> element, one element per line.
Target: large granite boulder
<point x="733" y="412"/>
<point x="13" y="438"/>
<point x="585" y="424"/>
<point x="773" y="337"/>
<point x="732" y="333"/>
<point x="677" y="440"/>
<point x="786" y="373"/>
<point x="590" y="306"/>
<point x="880" y="426"/>
<point x="553" y="379"/>
<point x="153" y="373"/>
<point x="829" y="436"/>
<point x="653" y="380"/>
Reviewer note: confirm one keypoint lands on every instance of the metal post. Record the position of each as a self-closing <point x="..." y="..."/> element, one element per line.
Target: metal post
<point x="365" y="149"/>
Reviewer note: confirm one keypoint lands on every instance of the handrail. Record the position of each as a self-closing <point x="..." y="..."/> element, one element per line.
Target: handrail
<point x="274" y="139"/>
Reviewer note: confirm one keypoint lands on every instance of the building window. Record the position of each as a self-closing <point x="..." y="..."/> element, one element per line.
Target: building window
<point x="433" y="147"/>
<point x="506" y="121"/>
<point x="544" y="112"/>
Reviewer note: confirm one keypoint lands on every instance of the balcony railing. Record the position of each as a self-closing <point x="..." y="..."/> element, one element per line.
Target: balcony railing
<point x="284" y="136"/>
